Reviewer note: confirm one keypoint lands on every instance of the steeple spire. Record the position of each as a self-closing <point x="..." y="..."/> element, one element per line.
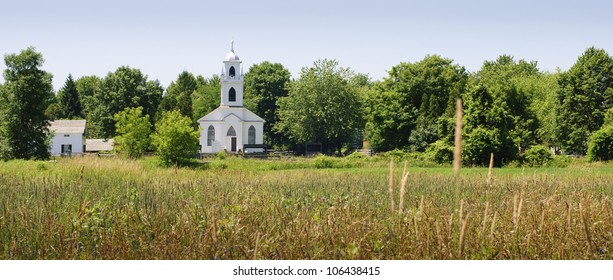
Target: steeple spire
<point x="232" y="46"/>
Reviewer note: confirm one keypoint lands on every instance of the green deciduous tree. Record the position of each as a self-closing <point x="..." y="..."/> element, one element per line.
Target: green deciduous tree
<point x="322" y="106"/>
<point x="487" y="127"/>
<point x="511" y="84"/>
<point x="586" y="92"/>
<point x="87" y="87"/>
<point x="388" y="123"/>
<point x="416" y="95"/>
<point x="206" y="97"/>
<point x="179" y="96"/>
<point x="5" y="147"/>
<point x="68" y="100"/>
<point x="133" y="130"/>
<point x="175" y="139"/>
<point x="265" y="83"/>
<point x="126" y="87"/>
<point x="27" y="93"/>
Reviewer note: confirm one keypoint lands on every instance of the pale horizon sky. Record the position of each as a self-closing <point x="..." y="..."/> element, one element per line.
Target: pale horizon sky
<point x="164" y="38"/>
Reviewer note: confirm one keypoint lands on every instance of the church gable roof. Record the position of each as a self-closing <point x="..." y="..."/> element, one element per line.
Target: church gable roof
<point x="222" y="113"/>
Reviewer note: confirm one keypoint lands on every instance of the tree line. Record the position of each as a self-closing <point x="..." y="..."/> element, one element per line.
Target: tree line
<point x="509" y="106"/>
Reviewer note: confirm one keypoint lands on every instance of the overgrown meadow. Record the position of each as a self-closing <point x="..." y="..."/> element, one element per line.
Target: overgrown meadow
<point x="322" y="208"/>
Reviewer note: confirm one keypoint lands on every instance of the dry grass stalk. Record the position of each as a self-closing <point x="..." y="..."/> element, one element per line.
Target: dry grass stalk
<point x="586" y="228"/>
<point x="457" y="151"/>
<point x="493" y="227"/>
<point x="489" y="172"/>
<point x="462" y="234"/>
<point x="257" y="243"/>
<point x="461" y="210"/>
<point x="392" y="184"/>
<point x="568" y="217"/>
<point x="421" y="205"/>
<point x="517" y="203"/>
<point x="403" y="185"/>
<point x="485" y="213"/>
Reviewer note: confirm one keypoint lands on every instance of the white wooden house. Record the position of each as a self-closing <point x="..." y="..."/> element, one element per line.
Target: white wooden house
<point x="68" y="137"/>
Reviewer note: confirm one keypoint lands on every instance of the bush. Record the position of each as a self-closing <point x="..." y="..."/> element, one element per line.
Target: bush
<point x="221" y="155"/>
<point x="322" y="161"/>
<point x="175" y="140"/>
<point x="440" y="152"/>
<point x="560" y="161"/>
<point x="600" y="147"/>
<point x="396" y="154"/>
<point x="537" y="155"/>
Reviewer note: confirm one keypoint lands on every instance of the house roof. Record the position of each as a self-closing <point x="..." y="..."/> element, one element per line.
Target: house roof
<point x="67" y="126"/>
<point x="96" y="145"/>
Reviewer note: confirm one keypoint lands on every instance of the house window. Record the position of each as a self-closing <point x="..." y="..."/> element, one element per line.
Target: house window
<point x="231" y="131"/>
<point x="251" y="135"/>
<point x="210" y="137"/>
<point x="232" y="72"/>
<point x="66" y="149"/>
<point x="232" y="95"/>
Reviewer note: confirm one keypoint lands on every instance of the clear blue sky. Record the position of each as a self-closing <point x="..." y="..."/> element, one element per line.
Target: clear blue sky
<point x="164" y="38"/>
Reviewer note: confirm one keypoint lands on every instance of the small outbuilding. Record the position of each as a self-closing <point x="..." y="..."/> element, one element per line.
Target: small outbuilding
<point x="98" y="145"/>
<point x="68" y="137"/>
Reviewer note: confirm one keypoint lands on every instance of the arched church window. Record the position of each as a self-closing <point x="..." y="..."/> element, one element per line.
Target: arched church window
<point x="232" y="72"/>
<point x="232" y="95"/>
<point x="251" y="135"/>
<point x="231" y="132"/>
<point x="210" y="136"/>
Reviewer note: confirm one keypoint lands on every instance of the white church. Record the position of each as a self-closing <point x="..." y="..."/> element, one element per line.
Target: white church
<point x="231" y="126"/>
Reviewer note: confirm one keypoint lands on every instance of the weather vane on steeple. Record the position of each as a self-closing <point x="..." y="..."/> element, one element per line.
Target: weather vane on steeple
<point x="232" y="46"/>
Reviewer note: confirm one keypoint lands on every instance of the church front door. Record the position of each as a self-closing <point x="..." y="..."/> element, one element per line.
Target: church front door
<point x="233" y="147"/>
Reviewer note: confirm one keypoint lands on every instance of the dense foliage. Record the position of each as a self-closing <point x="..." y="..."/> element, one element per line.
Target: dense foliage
<point x="322" y="106"/>
<point x="25" y="96"/>
<point x="265" y="83"/>
<point x="179" y="96"/>
<point x="175" y="139"/>
<point x="405" y="109"/>
<point x="68" y="101"/>
<point x="133" y="130"/>
<point x="585" y="94"/>
<point x="126" y="87"/>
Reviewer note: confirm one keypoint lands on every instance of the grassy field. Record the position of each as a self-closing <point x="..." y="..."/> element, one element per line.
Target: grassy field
<point x="90" y="208"/>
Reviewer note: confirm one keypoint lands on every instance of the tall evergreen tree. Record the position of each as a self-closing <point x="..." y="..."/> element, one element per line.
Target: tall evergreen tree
<point x="69" y="102"/>
<point x="28" y="92"/>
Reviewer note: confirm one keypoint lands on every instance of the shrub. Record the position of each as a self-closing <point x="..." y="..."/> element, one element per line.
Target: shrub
<point x="322" y="161"/>
<point x="133" y="129"/>
<point x="175" y="140"/>
<point x="396" y="154"/>
<point x="440" y="152"/>
<point x="600" y="147"/>
<point x="221" y="155"/>
<point x="537" y="155"/>
<point x="560" y="161"/>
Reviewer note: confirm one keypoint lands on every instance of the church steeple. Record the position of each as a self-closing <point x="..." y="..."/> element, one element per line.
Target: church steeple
<point x="232" y="80"/>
